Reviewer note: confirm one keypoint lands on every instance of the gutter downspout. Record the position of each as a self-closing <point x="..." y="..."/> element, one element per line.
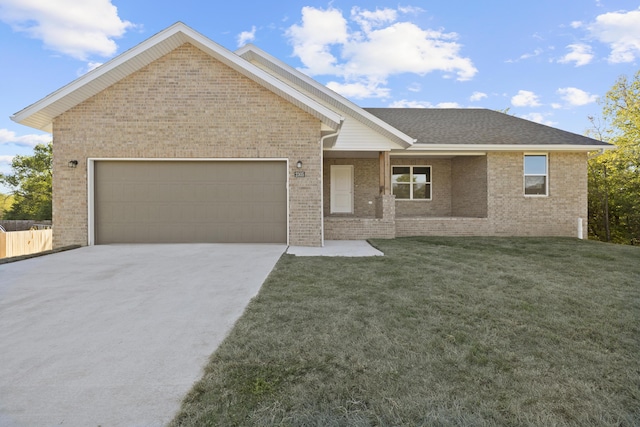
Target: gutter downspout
<point x="331" y="135"/>
<point x="598" y="153"/>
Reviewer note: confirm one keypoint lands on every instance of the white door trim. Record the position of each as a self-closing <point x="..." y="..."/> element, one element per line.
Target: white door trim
<point x="91" y="181"/>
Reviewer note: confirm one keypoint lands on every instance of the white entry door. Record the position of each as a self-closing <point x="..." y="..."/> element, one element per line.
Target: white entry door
<point x="342" y="189"/>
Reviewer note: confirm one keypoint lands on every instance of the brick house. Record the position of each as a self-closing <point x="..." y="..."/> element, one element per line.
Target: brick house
<point x="181" y="140"/>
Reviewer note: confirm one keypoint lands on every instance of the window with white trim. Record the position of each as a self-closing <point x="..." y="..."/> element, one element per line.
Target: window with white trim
<point x="411" y="182"/>
<point x="536" y="179"/>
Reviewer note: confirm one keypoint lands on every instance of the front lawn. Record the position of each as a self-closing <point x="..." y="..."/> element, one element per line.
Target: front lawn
<point x="438" y="332"/>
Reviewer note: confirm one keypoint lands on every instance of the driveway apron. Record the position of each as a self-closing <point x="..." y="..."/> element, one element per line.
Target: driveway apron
<point x="116" y="335"/>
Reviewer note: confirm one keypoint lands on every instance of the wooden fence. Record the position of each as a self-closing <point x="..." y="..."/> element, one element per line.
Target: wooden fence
<point x="17" y="243"/>
<point x="24" y="224"/>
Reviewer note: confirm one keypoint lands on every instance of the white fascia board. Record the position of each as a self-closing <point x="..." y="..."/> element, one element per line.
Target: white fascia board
<point x="413" y="153"/>
<point x="363" y="150"/>
<point x="506" y="147"/>
<point x="253" y="53"/>
<point x="40" y="114"/>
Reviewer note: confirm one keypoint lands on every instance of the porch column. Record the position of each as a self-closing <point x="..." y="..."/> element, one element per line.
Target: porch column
<point x="385" y="173"/>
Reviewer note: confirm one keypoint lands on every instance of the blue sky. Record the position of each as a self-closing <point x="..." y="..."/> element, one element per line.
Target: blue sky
<point x="547" y="61"/>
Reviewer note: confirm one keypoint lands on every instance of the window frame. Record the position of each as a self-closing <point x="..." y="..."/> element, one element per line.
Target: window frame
<point x="545" y="175"/>
<point x="411" y="183"/>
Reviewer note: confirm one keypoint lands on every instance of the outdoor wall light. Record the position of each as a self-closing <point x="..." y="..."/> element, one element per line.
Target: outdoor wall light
<point x="73" y="164"/>
<point x="299" y="164"/>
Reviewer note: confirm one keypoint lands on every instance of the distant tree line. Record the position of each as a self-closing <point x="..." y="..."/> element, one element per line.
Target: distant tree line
<point x="614" y="176"/>
<point x="30" y="184"/>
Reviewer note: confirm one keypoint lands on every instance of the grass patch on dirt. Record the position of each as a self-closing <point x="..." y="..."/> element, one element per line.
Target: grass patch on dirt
<point x="438" y="332"/>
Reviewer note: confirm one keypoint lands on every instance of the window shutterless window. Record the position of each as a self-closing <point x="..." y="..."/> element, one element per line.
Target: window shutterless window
<point x="411" y="182"/>
<point x="536" y="181"/>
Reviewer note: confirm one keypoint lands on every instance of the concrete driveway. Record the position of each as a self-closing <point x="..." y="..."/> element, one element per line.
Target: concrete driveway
<point x="116" y="335"/>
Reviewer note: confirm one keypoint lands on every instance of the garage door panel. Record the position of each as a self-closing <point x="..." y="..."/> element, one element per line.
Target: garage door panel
<point x="178" y="201"/>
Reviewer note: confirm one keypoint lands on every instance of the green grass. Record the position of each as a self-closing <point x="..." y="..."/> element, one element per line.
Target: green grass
<point x="439" y="332"/>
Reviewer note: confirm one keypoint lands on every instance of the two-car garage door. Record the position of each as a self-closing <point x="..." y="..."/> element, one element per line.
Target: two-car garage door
<point x="190" y="202"/>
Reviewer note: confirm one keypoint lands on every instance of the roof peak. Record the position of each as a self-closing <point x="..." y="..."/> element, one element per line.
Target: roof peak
<point x="41" y="114"/>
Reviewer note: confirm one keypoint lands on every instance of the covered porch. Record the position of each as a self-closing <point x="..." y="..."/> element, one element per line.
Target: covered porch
<point x="384" y="195"/>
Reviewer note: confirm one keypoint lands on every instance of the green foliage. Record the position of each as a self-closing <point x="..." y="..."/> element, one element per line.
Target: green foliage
<point x="31" y="185"/>
<point x="6" y="200"/>
<point x="614" y="177"/>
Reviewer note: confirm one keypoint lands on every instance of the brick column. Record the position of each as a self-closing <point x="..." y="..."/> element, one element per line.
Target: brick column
<point x="386" y="207"/>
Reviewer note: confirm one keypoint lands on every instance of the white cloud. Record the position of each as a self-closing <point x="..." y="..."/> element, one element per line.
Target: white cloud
<point x="477" y="96"/>
<point x="448" y="105"/>
<point x="576" y="97"/>
<point x="246" y="36"/>
<point x="406" y="48"/>
<point x="556" y="106"/>
<point x="368" y="19"/>
<point x="576" y="24"/>
<point x="382" y="47"/>
<point x="410" y="10"/>
<point x="6" y="159"/>
<point x="313" y="39"/>
<point x="75" y="28"/>
<point x="538" y="118"/>
<point x="405" y="103"/>
<point x="580" y="53"/>
<point x="525" y="98"/>
<point x="90" y="66"/>
<point x="415" y="87"/>
<point x="621" y="31"/>
<point x="93" y="65"/>
<point x="9" y="137"/>
<point x="360" y="90"/>
<point x="536" y="52"/>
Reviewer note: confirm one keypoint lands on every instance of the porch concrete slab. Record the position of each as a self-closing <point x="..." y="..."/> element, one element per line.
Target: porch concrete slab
<point x="117" y="335"/>
<point x="346" y="248"/>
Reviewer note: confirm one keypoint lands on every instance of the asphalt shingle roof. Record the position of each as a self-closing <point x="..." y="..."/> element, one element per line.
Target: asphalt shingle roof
<point x="475" y="126"/>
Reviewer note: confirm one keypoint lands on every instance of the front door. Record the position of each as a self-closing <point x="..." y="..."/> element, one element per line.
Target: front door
<point x="342" y="189"/>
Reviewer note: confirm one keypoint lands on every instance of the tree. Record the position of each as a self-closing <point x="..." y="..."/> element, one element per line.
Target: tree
<point x="6" y="200"/>
<point x="614" y="176"/>
<point x="31" y="185"/>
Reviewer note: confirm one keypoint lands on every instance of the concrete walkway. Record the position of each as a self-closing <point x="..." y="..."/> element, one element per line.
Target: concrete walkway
<point x="346" y="248"/>
<point x="117" y="335"/>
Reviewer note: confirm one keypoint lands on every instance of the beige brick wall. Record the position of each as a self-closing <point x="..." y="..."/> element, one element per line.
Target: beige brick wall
<point x="381" y="227"/>
<point x="367" y="187"/>
<point x="366" y="177"/>
<point x="454" y="226"/>
<point x="469" y="186"/>
<point x="513" y="214"/>
<point x="491" y="188"/>
<point x="337" y="228"/>
<point x="185" y="105"/>
<point x="440" y="203"/>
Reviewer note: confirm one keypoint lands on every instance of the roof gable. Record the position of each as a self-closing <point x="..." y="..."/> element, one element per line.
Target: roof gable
<point x="308" y="85"/>
<point x="41" y="114"/>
